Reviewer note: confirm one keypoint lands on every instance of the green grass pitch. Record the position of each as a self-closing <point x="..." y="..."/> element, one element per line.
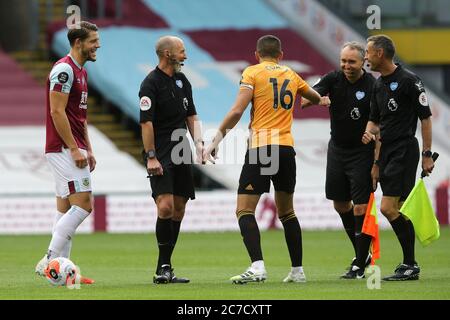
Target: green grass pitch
<point x="123" y="266"/>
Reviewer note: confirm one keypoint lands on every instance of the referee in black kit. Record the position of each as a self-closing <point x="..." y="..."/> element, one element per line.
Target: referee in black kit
<point x="398" y="100"/>
<point x="167" y="108"/>
<point x="349" y="161"/>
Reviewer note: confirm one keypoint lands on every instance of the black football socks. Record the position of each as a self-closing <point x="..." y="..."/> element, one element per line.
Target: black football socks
<point x="164" y="236"/>
<point x="348" y="220"/>
<point x="362" y="242"/>
<point x="293" y="236"/>
<point x="406" y="238"/>
<point x="250" y="234"/>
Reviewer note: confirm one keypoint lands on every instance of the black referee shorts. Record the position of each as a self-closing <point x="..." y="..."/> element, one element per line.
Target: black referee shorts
<point x="398" y="167"/>
<point x="177" y="180"/>
<point x="348" y="173"/>
<point x="263" y="164"/>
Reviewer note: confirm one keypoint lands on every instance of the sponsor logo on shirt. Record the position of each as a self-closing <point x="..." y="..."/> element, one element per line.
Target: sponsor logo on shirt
<point x="419" y="86"/>
<point x="179" y="83"/>
<point x="392" y="105"/>
<point x="355" y="114"/>
<point x="63" y="77"/>
<point x="393" y="86"/>
<point x="83" y="101"/>
<point x="423" y="100"/>
<point x="360" y="95"/>
<point x="145" y="103"/>
<point x="185" y="103"/>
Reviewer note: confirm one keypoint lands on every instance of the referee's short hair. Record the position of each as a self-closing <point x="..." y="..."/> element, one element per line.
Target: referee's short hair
<point x="382" y="41"/>
<point x="81" y="32"/>
<point x="268" y="46"/>
<point x="356" y="46"/>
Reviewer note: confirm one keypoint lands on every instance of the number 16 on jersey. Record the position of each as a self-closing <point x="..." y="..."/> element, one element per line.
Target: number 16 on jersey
<point x="280" y="97"/>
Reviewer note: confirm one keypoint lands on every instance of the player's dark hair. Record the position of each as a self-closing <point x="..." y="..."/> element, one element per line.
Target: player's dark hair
<point x="80" y="32"/>
<point x="382" y="41"/>
<point x="268" y="46"/>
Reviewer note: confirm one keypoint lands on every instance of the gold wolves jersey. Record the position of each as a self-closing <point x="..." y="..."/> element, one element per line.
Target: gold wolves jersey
<point x="274" y="90"/>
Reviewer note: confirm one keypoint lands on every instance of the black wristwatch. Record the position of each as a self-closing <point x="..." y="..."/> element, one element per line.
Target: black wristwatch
<point x="376" y="162"/>
<point x="151" y="154"/>
<point x="427" y="154"/>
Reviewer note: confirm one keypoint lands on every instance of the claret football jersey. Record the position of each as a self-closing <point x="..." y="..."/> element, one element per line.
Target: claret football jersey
<point x="68" y="77"/>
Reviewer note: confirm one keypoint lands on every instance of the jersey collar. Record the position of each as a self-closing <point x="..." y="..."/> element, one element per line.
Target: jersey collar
<point x="165" y="74"/>
<point x="393" y="74"/>
<point x="269" y="62"/>
<point x="357" y="81"/>
<point x="75" y="62"/>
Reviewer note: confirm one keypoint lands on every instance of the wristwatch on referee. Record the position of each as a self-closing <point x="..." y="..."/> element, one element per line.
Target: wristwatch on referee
<point x="427" y="153"/>
<point x="151" y="154"/>
<point x="376" y="162"/>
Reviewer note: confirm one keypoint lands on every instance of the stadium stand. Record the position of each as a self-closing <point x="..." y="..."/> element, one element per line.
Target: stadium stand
<point x="220" y="43"/>
<point x="216" y="14"/>
<point x="217" y="54"/>
<point x="21" y="98"/>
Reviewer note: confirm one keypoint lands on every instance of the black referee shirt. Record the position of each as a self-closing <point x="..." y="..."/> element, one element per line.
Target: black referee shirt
<point x="166" y="102"/>
<point x="350" y="106"/>
<point x="397" y="101"/>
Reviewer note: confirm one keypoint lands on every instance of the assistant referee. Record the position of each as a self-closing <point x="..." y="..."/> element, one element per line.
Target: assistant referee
<point x="398" y="101"/>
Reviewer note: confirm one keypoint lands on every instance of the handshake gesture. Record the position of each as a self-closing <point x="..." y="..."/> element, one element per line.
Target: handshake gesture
<point x="324" y="101"/>
<point x="210" y="153"/>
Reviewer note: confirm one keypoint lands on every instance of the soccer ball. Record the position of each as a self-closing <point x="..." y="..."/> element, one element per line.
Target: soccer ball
<point x="61" y="272"/>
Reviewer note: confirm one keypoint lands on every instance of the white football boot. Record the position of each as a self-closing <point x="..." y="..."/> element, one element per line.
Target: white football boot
<point x="41" y="265"/>
<point x="295" y="277"/>
<point x="250" y="275"/>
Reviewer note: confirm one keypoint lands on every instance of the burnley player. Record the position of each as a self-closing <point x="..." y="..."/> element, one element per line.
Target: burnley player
<point x="68" y="149"/>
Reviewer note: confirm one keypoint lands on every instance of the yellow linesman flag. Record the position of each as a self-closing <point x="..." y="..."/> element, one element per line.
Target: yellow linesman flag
<point x="419" y="210"/>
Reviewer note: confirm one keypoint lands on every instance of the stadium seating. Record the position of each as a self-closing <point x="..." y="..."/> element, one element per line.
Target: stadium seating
<point x="219" y="47"/>
<point x="220" y="43"/>
<point x="22" y="100"/>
